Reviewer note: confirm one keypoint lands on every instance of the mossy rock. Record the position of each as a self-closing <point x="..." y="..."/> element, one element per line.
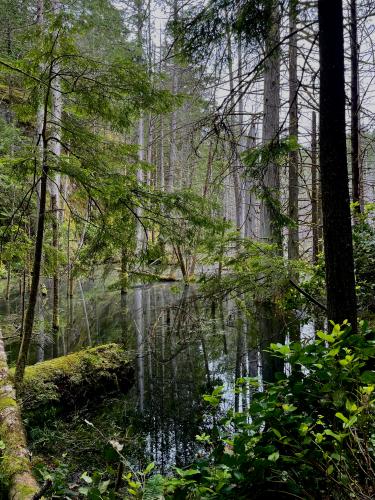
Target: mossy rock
<point x="76" y="379"/>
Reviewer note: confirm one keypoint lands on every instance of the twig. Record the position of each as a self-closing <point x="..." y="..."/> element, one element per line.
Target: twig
<point x="308" y="296"/>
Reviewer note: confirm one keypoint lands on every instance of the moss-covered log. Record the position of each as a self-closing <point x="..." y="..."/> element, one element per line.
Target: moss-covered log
<point x="15" y="465"/>
<point x="76" y="379"/>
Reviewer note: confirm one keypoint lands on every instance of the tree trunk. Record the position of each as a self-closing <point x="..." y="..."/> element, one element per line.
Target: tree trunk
<point x="54" y="187"/>
<point x="251" y="199"/>
<point x="9" y="274"/>
<point x="30" y="313"/>
<point x="15" y="464"/>
<point x="173" y="142"/>
<point x="55" y="244"/>
<point x="234" y="153"/>
<point x="340" y="283"/>
<point x="293" y="236"/>
<point x="38" y="252"/>
<point x="141" y="153"/>
<point x="141" y="136"/>
<point x="270" y="230"/>
<point x="355" y="105"/>
<point x="69" y="381"/>
<point x="314" y="192"/>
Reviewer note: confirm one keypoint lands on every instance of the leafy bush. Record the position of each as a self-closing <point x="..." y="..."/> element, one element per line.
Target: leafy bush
<point x="308" y="435"/>
<point x="364" y="257"/>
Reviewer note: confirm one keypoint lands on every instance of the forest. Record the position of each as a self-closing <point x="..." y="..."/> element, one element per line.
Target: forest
<point x="187" y="249"/>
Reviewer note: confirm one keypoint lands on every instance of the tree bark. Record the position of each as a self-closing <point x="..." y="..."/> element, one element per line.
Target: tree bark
<point x="173" y="142"/>
<point x="141" y="136"/>
<point x="340" y="283"/>
<point x="30" y="313"/>
<point x="355" y="105"/>
<point x="234" y="148"/>
<point x="270" y="230"/>
<point x="293" y="236"/>
<point x="15" y="461"/>
<point x="314" y="192"/>
<point x="55" y="244"/>
<point x="54" y="187"/>
<point x="38" y="251"/>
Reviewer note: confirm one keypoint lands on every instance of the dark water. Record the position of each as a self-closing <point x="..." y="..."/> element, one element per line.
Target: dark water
<point x="183" y="347"/>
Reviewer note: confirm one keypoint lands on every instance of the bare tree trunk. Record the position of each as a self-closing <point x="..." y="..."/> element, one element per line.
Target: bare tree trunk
<point x="69" y="264"/>
<point x="233" y="140"/>
<point x="314" y="192"/>
<point x="141" y="136"/>
<point x="355" y="108"/>
<point x="141" y="153"/>
<point x="173" y="141"/>
<point x="161" y="156"/>
<point x="55" y="285"/>
<point x="161" y="172"/>
<point x="89" y="341"/>
<point x="270" y="230"/>
<point x="23" y="300"/>
<point x="40" y="110"/>
<point x="9" y="273"/>
<point x="340" y="282"/>
<point x="54" y="186"/>
<point x="150" y="139"/>
<point x="293" y="236"/>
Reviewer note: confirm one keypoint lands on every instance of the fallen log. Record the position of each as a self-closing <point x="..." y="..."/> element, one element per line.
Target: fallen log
<point x="15" y="464"/>
<point x="76" y="379"/>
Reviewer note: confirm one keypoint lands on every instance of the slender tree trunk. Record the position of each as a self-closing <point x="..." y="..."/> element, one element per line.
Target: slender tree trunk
<point x="54" y="186"/>
<point x="314" y="192"/>
<point x="293" y="236"/>
<point x="55" y="244"/>
<point x="161" y="156"/>
<point x="40" y="110"/>
<point x="89" y="341"/>
<point x="340" y="283"/>
<point x="150" y="140"/>
<point x="170" y="180"/>
<point x="355" y="106"/>
<point x="42" y="196"/>
<point x="141" y="154"/>
<point x="23" y="301"/>
<point x="9" y="274"/>
<point x="124" y="272"/>
<point x="161" y="173"/>
<point x="251" y="200"/>
<point x="141" y="135"/>
<point x="270" y="230"/>
<point x="69" y="264"/>
<point x="233" y="140"/>
<point x="30" y="313"/>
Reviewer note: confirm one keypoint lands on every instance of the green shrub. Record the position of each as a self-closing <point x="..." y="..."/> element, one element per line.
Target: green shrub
<point x="308" y="435"/>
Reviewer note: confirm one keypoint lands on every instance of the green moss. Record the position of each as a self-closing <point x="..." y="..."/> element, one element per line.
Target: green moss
<point x="76" y="377"/>
<point x="26" y="491"/>
<point x="7" y="401"/>
<point x="11" y="465"/>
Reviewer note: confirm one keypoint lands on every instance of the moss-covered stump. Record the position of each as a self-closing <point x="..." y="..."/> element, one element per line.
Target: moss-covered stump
<point x="15" y="465"/>
<point x="76" y="379"/>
